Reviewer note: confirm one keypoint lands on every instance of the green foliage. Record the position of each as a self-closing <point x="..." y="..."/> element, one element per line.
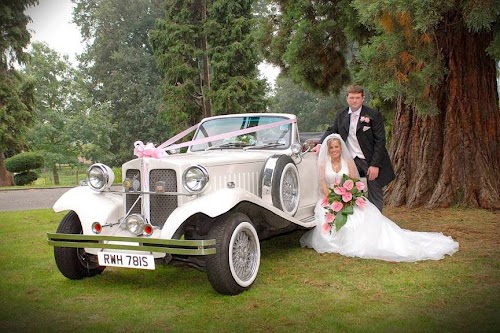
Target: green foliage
<point x="233" y="58"/>
<point x="67" y="125"/>
<point x="16" y="109"/>
<point x="207" y="54"/>
<point x="14" y="36"/>
<point x="121" y="74"/>
<point x="53" y="77"/>
<point x="389" y="47"/>
<point x="118" y="175"/>
<point x="403" y="59"/>
<point x="88" y="124"/>
<point x="309" y="41"/>
<point x="178" y="40"/>
<point x="24" y="162"/>
<point x="25" y="178"/>
<point x="16" y="92"/>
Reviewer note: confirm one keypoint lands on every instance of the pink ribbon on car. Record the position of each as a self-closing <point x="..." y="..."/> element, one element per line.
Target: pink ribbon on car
<point x="149" y="150"/>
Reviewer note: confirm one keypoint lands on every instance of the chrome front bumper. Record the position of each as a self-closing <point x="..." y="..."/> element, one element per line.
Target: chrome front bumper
<point x="172" y="246"/>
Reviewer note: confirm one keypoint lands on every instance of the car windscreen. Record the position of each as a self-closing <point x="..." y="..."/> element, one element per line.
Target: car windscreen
<point x="274" y="137"/>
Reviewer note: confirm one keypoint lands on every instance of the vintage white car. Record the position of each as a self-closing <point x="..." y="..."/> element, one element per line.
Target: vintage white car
<point x="241" y="179"/>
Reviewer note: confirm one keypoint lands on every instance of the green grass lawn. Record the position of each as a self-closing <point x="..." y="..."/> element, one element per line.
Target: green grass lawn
<point x="297" y="290"/>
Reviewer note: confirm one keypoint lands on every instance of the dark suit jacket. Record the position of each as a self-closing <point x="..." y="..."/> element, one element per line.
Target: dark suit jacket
<point x="371" y="138"/>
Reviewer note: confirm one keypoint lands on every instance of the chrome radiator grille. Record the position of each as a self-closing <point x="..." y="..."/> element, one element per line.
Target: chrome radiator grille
<point x="160" y="206"/>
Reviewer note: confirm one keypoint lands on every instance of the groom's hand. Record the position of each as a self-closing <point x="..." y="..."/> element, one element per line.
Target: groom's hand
<point x="372" y="173"/>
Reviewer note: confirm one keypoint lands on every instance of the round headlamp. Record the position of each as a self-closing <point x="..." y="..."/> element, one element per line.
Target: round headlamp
<point x="296" y="148"/>
<point x="195" y="178"/>
<point x="135" y="224"/>
<point x="100" y="177"/>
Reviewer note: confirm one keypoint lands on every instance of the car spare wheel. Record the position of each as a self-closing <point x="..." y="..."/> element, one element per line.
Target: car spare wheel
<point x="234" y="266"/>
<point x="280" y="183"/>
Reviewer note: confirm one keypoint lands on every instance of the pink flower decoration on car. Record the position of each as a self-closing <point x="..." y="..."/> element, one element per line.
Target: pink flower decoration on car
<point x="336" y="206"/>
<point x="360" y="186"/>
<point x="148" y="150"/>
<point x="340" y="190"/>
<point x="346" y="197"/>
<point x="327" y="227"/>
<point x="360" y="202"/>
<point x="325" y="202"/>
<point x="348" y="184"/>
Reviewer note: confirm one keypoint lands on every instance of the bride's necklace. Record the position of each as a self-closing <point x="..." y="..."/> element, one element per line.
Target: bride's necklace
<point x="336" y="166"/>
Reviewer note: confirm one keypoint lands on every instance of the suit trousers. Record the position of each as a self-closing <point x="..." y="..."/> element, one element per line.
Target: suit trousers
<point x="375" y="191"/>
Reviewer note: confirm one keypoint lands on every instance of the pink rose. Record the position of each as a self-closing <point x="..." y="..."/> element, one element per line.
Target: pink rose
<point x="329" y="217"/>
<point x="327" y="227"/>
<point x="364" y="119"/>
<point x="360" y="186"/>
<point x="340" y="190"/>
<point x="337" y="180"/>
<point x="337" y="206"/>
<point x="348" y="184"/>
<point x="324" y="203"/>
<point x="346" y="197"/>
<point x="361" y="202"/>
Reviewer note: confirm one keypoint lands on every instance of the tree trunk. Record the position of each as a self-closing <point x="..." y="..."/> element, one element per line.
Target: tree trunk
<point x="6" y="178"/>
<point x="55" y="173"/>
<point x="452" y="158"/>
<point x="205" y="82"/>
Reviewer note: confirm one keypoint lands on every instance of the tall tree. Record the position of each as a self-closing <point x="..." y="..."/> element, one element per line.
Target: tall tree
<point x="309" y="40"/>
<point x="236" y="87"/>
<point x="180" y="46"/>
<point x="67" y="125"/>
<point x="52" y="76"/>
<point x="16" y="93"/>
<point x="439" y="66"/>
<point x="207" y="53"/>
<point x="435" y="61"/>
<point x="120" y="64"/>
<point x="89" y="126"/>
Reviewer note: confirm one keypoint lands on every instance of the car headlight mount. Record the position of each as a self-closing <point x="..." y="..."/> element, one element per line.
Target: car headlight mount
<point x="100" y="177"/>
<point x="195" y="178"/>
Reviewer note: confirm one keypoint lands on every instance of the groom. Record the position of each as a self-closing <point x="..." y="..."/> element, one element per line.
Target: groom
<point x="362" y="129"/>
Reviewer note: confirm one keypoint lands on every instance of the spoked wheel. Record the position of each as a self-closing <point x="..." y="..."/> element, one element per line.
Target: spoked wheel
<point x="285" y="188"/>
<point x="74" y="263"/>
<point x="234" y="267"/>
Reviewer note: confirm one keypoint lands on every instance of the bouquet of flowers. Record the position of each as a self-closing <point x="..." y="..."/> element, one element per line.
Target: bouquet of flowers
<point x="340" y="202"/>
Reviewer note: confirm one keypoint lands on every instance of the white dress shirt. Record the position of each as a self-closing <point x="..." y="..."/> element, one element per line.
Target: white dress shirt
<point x="352" y="141"/>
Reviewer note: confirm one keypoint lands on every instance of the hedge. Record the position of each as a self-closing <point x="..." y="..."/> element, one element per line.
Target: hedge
<point x="23" y="162"/>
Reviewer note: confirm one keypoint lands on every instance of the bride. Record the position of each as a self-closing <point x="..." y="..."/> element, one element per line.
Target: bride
<point x="367" y="233"/>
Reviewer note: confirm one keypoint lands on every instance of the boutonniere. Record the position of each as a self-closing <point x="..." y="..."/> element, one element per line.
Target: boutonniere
<point x="365" y="119"/>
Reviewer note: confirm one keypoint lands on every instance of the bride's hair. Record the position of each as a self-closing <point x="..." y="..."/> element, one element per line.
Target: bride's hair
<point x="333" y="139"/>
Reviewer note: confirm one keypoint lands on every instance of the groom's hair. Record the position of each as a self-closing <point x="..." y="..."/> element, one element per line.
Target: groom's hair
<point x="355" y="89"/>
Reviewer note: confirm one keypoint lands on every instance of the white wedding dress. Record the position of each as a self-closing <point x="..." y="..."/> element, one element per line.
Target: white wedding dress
<point x="370" y="235"/>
